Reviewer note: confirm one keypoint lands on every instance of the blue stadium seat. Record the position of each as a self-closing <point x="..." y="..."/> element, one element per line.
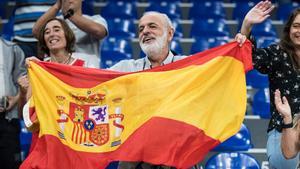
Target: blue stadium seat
<point x="218" y="42"/>
<point x="239" y="142"/>
<point x="200" y="44"/>
<point x="8" y="29"/>
<point x="113" y="165"/>
<point x="120" y="9"/>
<point x="241" y="9"/>
<point x="257" y="80"/>
<point x="168" y="1"/>
<point x="264" y="42"/>
<point x="121" y="28"/>
<point x="171" y="9"/>
<point x="176" y="47"/>
<point x="25" y="140"/>
<point x="3" y="10"/>
<point x="261" y="103"/>
<point x="178" y="29"/>
<point x="265" y="29"/>
<point x="252" y="1"/>
<point x="284" y="10"/>
<point x="206" y="10"/>
<point x="121" y="0"/>
<point x="232" y="160"/>
<point x="209" y="28"/>
<point x="88" y="7"/>
<point x="114" y="50"/>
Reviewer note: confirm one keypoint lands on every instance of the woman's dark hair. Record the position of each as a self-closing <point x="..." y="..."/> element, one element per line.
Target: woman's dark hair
<point x="286" y="42"/>
<point x="69" y="35"/>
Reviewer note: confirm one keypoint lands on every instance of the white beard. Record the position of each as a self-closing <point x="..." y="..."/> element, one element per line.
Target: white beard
<point x="155" y="48"/>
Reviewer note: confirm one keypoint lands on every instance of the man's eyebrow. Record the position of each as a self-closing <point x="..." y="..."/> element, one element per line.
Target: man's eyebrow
<point x="150" y="23"/>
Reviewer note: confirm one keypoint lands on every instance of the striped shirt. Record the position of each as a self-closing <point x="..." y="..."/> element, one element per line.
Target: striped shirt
<point x="26" y="14"/>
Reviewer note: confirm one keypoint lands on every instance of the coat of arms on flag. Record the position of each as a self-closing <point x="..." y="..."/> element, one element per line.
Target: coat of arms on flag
<point x="88" y="119"/>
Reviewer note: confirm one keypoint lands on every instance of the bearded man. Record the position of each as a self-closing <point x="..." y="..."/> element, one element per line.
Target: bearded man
<point x="155" y="35"/>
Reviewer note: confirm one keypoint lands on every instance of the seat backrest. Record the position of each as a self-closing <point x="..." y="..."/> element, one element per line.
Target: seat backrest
<point x="171" y="9"/>
<point x="257" y="80"/>
<point x="241" y="9"/>
<point x="114" y="50"/>
<point x="284" y="10"/>
<point x="207" y="10"/>
<point x="261" y="103"/>
<point x="178" y="29"/>
<point x="232" y="160"/>
<point x="241" y="141"/>
<point x="176" y="46"/>
<point x="25" y="140"/>
<point x="8" y="29"/>
<point x="88" y="7"/>
<point x="265" y="29"/>
<point x="200" y="44"/>
<point x="120" y="9"/>
<point x="204" y="43"/>
<point x="209" y="28"/>
<point x="264" y="42"/>
<point x="121" y="28"/>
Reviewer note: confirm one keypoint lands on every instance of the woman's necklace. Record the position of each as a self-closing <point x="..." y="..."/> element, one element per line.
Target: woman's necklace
<point x="66" y="61"/>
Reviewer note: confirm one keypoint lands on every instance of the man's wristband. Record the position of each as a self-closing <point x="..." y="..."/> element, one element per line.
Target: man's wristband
<point x="286" y="126"/>
<point x="69" y="13"/>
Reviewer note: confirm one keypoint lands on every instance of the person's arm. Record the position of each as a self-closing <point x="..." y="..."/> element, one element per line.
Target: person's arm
<point x="289" y="137"/>
<point x="24" y="86"/>
<point x="51" y="13"/>
<point x="259" y="13"/>
<point x="89" y="26"/>
<point x="85" y="24"/>
<point x="290" y="142"/>
<point x="18" y="71"/>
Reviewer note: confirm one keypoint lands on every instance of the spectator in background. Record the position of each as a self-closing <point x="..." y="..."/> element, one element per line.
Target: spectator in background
<point x="290" y="140"/>
<point x="282" y="64"/>
<point x="155" y="35"/>
<point x="89" y="30"/>
<point x="11" y="68"/>
<point x="26" y="12"/>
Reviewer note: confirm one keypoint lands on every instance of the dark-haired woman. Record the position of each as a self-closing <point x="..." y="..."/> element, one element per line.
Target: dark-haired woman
<point x="56" y="44"/>
<point x="281" y="62"/>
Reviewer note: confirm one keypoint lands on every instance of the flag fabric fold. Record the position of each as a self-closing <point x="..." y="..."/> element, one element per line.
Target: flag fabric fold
<point x="172" y="114"/>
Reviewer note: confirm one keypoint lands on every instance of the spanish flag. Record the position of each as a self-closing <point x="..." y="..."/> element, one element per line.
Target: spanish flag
<point x="171" y="115"/>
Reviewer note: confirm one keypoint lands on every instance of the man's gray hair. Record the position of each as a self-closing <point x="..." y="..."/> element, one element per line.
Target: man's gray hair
<point x="164" y="16"/>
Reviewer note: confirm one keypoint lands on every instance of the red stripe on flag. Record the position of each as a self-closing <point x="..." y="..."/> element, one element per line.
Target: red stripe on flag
<point x="158" y="141"/>
<point x="88" y="77"/>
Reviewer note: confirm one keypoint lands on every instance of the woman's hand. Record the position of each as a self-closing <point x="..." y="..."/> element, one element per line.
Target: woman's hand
<point x="32" y="58"/>
<point x="283" y="107"/>
<point x="240" y="39"/>
<point x="259" y="13"/>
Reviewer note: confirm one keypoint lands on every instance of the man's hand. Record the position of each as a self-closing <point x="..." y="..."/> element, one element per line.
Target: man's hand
<point x="12" y="101"/>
